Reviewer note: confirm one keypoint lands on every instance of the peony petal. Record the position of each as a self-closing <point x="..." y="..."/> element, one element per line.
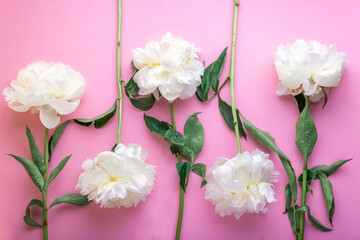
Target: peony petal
<point x="49" y="117"/>
<point x="64" y="107"/>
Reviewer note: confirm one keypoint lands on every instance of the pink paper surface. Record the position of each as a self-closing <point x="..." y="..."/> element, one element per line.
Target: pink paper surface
<point x="82" y="33"/>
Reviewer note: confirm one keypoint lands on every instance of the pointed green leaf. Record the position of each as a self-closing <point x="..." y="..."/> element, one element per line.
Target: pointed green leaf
<point x="131" y="88"/>
<point x="144" y="104"/>
<point x="300" y="101"/>
<point x="134" y="69"/>
<point x="226" y="112"/>
<point x="57" y="170"/>
<point x="309" y="176"/>
<point x="266" y="140"/>
<point x="200" y="169"/>
<point x="71" y="198"/>
<point x="183" y="169"/>
<point x="32" y="170"/>
<point x="316" y="223"/>
<point x="100" y="120"/>
<point x="328" y="195"/>
<point x="287" y="197"/>
<point x="27" y="218"/>
<point x="56" y="137"/>
<point x="113" y="148"/>
<point x="194" y="137"/>
<point x="156" y="126"/>
<point x="294" y="218"/>
<point x="328" y="170"/>
<point x="35" y="152"/>
<point x="175" y="139"/>
<point x="306" y="135"/>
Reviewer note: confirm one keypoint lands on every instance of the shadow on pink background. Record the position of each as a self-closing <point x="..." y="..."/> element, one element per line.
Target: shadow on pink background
<point x="82" y="33"/>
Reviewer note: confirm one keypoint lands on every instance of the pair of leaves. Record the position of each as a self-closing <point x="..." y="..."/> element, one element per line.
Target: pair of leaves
<point x="27" y="218"/>
<point x="316" y="223"/>
<point x="101" y="120"/>
<point x="226" y="112"/>
<point x="189" y="145"/>
<point x="184" y="169"/>
<point x="300" y="100"/>
<point x="210" y="79"/>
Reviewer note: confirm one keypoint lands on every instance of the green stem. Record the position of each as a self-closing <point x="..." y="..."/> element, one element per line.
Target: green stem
<point x="119" y="79"/>
<point x="232" y="63"/>
<point x="181" y="194"/>
<point x="303" y="199"/>
<point x="44" y="193"/>
<point x="304" y="185"/>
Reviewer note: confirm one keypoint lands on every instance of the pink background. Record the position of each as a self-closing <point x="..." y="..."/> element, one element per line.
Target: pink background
<point x="82" y="33"/>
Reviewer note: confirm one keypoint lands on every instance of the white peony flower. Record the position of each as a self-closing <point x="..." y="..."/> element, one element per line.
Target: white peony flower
<point x="116" y="179"/>
<point x="50" y="89"/>
<point x="168" y="68"/>
<point x="308" y="67"/>
<point x="241" y="184"/>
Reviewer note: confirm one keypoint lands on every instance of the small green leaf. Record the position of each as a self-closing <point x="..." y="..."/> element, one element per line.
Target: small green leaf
<point x="325" y="98"/>
<point x="131" y="88"/>
<point x="113" y="148"/>
<point x="175" y="139"/>
<point x="56" y="136"/>
<point x="306" y="135"/>
<point x="32" y="170"/>
<point x="200" y="169"/>
<point x="211" y="77"/>
<point x="71" y="198"/>
<point x="142" y="103"/>
<point x="287" y="197"/>
<point x="266" y="140"/>
<point x="328" y="195"/>
<point x="328" y="170"/>
<point x="134" y="69"/>
<point x="294" y="221"/>
<point x="309" y="189"/>
<point x="183" y="169"/>
<point x="100" y="120"/>
<point x="35" y="152"/>
<point x="310" y="176"/>
<point x="156" y="126"/>
<point x="57" y="170"/>
<point x="194" y="137"/>
<point x="316" y="223"/>
<point x="27" y="218"/>
<point x="300" y="101"/>
<point x="226" y="112"/>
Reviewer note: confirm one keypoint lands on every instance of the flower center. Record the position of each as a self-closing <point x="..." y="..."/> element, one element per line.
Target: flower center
<point x="114" y="179"/>
<point x="188" y="61"/>
<point x="156" y="64"/>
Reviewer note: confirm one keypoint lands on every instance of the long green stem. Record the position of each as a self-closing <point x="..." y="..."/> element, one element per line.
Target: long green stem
<point x="44" y="194"/>
<point x="232" y="63"/>
<point x="181" y="193"/>
<point x="119" y="80"/>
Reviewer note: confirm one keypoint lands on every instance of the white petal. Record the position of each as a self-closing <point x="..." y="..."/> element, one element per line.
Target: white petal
<point x="49" y="117"/>
<point x="64" y="107"/>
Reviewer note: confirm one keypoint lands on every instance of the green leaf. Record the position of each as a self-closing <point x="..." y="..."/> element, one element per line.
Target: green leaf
<point x="57" y="170"/>
<point x="328" y="170"/>
<point x="211" y="77"/>
<point x="287" y="197"/>
<point x="316" y="223"/>
<point x="293" y="219"/>
<point x="194" y="137"/>
<point x="156" y="126"/>
<point x="71" y="198"/>
<point x="306" y="135"/>
<point x="142" y="103"/>
<point x="35" y="152"/>
<point x="200" y="169"/>
<point x="175" y="139"/>
<point x="300" y="101"/>
<point x="113" y="148"/>
<point x="309" y="189"/>
<point x="32" y="170"/>
<point x="266" y="140"/>
<point x="226" y="112"/>
<point x="27" y="218"/>
<point x="56" y="136"/>
<point x="325" y="98"/>
<point x="134" y="69"/>
<point x="183" y="169"/>
<point x="328" y="195"/>
<point x="100" y="120"/>
<point x="309" y="177"/>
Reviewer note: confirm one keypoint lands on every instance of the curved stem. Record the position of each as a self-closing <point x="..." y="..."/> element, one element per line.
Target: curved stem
<point x="119" y="80"/>
<point x="303" y="193"/>
<point x="44" y="193"/>
<point x="181" y="193"/>
<point x="232" y="63"/>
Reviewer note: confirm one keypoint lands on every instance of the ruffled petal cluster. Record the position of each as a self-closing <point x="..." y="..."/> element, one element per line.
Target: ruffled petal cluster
<point x="117" y="179"/>
<point x="308" y="68"/>
<point x="169" y="68"/>
<point x="241" y="184"/>
<point x="50" y="89"/>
